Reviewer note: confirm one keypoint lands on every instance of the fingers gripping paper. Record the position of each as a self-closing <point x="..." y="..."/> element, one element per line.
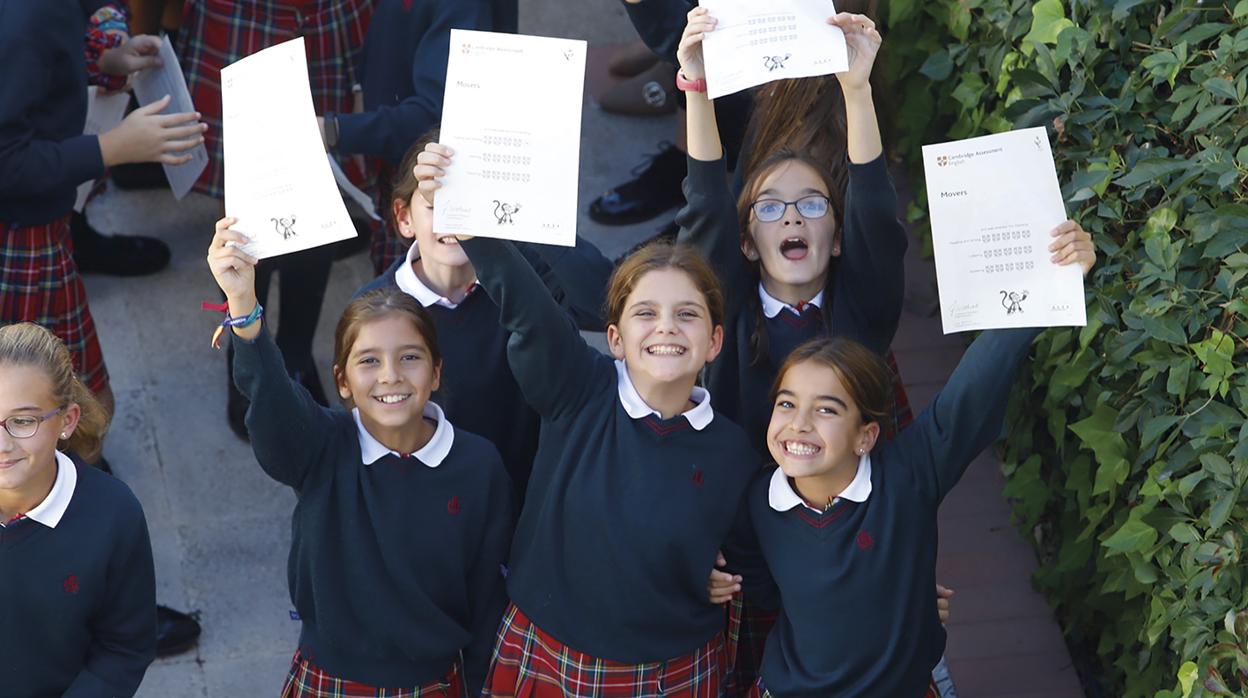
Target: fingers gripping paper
<point x="512" y="114"/>
<point x="152" y="84"/>
<point x="993" y="201"/>
<point x="278" y="183"/>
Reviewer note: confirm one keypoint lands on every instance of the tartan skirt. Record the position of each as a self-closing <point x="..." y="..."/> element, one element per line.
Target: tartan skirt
<point x="306" y="680"/>
<point x="529" y="663"/>
<point x="39" y="283"/>
<point x="759" y="690"/>
<point x="216" y="33"/>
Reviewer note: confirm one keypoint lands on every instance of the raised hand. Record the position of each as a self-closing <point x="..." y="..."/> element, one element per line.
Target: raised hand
<point x="1072" y="245"/>
<point x="430" y="167"/>
<point x="689" y="52"/>
<point x="863" y="42"/>
<point x="233" y="269"/>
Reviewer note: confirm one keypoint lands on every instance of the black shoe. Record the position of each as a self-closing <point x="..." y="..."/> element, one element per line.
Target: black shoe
<point x="176" y="632"/>
<point x="655" y="189"/>
<point x="115" y="255"/>
<point x="139" y="175"/>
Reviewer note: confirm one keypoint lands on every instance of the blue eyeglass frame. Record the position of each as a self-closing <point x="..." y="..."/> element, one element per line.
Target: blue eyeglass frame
<point x="40" y="419"/>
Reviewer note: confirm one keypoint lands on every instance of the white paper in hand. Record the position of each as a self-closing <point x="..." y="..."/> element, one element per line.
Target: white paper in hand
<point x="151" y="85"/>
<point x="512" y="116"/>
<point x="993" y="201"/>
<point x="104" y="113"/>
<point x="277" y="179"/>
<point x="756" y="42"/>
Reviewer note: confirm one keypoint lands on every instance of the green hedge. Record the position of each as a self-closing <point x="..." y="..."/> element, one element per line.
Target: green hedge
<point x="1127" y="459"/>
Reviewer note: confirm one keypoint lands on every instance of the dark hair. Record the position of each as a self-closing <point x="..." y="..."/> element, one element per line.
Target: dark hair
<point x="863" y="373"/>
<point x="403" y="183"/>
<point x="376" y="305"/>
<point x="664" y="255"/>
<point x="28" y="344"/>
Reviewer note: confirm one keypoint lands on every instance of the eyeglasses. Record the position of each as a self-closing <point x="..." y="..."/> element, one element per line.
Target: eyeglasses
<point x="24" y="426"/>
<point x="771" y="210"/>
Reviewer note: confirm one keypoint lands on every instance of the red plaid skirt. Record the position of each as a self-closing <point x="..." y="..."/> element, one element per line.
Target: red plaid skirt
<point x="760" y="691"/>
<point x="215" y="33"/>
<point x="306" y="680"/>
<point x="529" y="663"/>
<point x="39" y="283"/>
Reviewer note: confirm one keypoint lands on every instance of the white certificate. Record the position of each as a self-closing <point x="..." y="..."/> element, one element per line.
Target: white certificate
<point x="756" y="42"/>
<point x="993" y="202"/>
<point x="152" y="84"/>
<point x="105" y="110"/>
<point x="512" y="114"/>
<point x="277" y="179"/>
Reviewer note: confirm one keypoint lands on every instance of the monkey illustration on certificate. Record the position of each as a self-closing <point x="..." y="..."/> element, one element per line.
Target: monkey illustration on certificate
<point x="993" y="201"/>
<point x="512" y="116"/>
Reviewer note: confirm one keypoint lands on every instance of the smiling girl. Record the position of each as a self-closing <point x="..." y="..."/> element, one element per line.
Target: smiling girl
<point x="635" y="486"/>
<point x="403" y="522"/>
<point x="79" y="606"/>
<point x="847" y="522"/>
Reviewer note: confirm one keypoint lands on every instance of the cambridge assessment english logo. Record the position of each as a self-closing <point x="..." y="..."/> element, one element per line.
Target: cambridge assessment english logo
<point x="503" y="213"/>
<point x="942" y="160"/>
<point x="1012" y="301"/>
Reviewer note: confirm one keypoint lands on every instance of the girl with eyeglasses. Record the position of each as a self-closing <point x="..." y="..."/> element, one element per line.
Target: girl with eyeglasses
<point x="78" y="613"/>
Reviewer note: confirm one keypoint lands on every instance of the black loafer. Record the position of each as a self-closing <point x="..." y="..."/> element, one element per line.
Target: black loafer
<point x="139" y="175"/>
<point x="655" y="189"/>
<point x="176" y="632"/>
<point x="115" y="255"/>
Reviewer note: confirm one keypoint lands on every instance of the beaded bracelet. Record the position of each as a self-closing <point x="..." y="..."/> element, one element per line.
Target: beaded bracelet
<point x="256" y="314"/>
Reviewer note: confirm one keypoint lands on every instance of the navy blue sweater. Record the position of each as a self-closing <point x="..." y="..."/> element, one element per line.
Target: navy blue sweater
<point x="623" y="516"/>
<point x="862" y="298"/>
<point x="395" y="567"/>
<point x="44" y="155"/>
<point x="858" y="617"/>
<point x="478" y="389"/>
<point x="78" y="611"/>
<point x="403" y="73"/>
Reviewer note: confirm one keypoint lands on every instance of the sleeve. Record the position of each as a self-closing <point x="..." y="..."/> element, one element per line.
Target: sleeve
<point x="709" y="222"/>
<point x="966" y="416"/>
<point x="289" y="430"/>
<point x="577" y="277"/>
<point x="106" y="29"/>
<point x="548" y="356"/>
<point x="123" y="632"/>
<point x="660" y="24"/>
<point x="389" y="130"/>
<point x="30" y="166"/>
<point x="870" y="275"/>
<point x="487" y="583"/>
<point x="744" y="555"/>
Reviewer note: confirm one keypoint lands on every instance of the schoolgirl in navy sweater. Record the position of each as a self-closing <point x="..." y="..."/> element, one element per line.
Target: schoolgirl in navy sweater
<point x="78" y="612"/>
<point x="437" y="273"/>
<point x="636" y="482"/>
<point x="403" y="521"/>
<point x="847" y="523"/>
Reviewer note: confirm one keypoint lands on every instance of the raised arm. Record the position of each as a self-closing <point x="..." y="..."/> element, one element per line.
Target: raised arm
<point x="709" y="219"/>
<point x="659" y="23"/>
<point x="288" y="429"/>
<point x="577" y="278"/>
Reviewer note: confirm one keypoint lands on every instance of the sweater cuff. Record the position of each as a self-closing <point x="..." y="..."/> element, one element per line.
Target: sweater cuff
<point x="83" y="159"/>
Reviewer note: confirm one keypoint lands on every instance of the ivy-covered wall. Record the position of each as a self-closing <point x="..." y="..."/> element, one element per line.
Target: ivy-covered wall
<point x="1127" y="456"/>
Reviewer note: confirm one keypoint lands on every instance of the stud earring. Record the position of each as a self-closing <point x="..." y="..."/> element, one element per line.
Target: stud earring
<point x="64" y="435"/>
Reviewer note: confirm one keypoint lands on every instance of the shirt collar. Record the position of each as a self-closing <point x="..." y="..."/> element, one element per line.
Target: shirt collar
<point x="773" y="306"/>
<point x="407" y="281"/>
<point x="699" y="415"/>
<point x="433" y="453"/>
<point x="52" y="508"/>
<point x="782" y="497"/>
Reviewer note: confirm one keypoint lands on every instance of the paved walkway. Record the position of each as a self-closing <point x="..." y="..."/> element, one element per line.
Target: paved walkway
<point x="221" y="528"/>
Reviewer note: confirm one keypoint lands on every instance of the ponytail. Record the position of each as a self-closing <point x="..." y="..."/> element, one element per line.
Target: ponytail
<point x="27" y="344"/>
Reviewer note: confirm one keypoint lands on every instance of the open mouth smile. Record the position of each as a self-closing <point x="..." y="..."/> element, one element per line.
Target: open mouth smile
<point x="392" y="399"/>
<point x="665" y="350"/>
<point x="800" y="449"/>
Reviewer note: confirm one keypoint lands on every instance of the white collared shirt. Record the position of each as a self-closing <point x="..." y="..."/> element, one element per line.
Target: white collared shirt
<point x="407" y="281"/>
<point x="432" y="454"/>
<point x="782" y="497"/>
<point x="52" y="508"/>
<point x="773" y="306"/>
<point x="699" y="416"/>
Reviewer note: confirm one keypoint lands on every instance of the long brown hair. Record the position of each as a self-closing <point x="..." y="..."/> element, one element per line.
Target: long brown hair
<point x="28" y="344"/>
<point x="664" y="255"/>
<point x="376" y="305"/>
<point x="863" y="373"/>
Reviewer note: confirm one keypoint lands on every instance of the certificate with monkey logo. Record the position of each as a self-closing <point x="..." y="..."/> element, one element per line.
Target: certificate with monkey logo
<point x="993" y="201"/>
<point x="512" y="116"/>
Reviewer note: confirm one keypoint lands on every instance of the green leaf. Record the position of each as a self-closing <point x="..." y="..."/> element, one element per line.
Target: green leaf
<point x="1148" y="171"/>
<point x="1048" y="19"/>
<point x="1208" y="116"/>
<point x="1184" y="533"/>
<point x="1097" y="433"/>
<point x="1132" y="537"/>
<point x="1221" y="509"/>
<point x="1221" y="87"/>
<point x="938" y="65"/>
<point x="1241" y="10"/>
<point x="1187" y="672"/>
